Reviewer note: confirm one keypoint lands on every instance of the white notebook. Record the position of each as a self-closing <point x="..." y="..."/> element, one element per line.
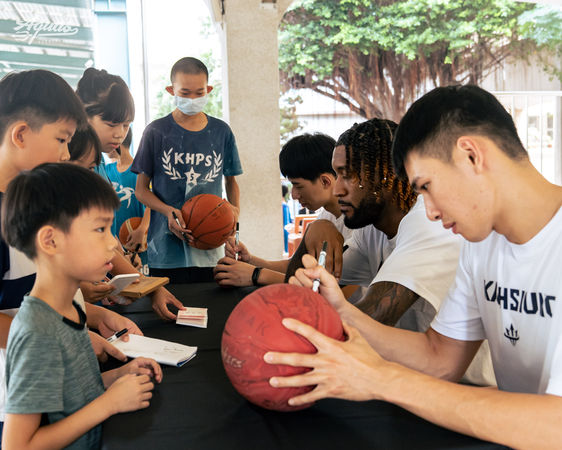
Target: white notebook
<point x="164" y="352"/>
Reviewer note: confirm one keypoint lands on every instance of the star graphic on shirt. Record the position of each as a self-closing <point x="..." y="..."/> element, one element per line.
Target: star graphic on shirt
<point x="192" y="176"/>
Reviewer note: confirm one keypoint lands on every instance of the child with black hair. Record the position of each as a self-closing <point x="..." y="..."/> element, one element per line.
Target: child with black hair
<point x="85" y="148"/>
<point x="56" y="214"/>
<point x="39" y="114"/>
<point x="110" y="110"/>
<point x="124" y="182"/>
<point x="182" y="155"/>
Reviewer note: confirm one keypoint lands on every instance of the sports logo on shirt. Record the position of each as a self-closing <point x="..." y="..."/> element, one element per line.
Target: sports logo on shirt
<point x="123" y="192"/>
<point x="512" y="334"/>
<point x="192" y="177"/>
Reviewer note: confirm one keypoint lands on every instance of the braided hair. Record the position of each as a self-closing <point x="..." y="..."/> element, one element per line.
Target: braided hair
<point x="368" y="157"/>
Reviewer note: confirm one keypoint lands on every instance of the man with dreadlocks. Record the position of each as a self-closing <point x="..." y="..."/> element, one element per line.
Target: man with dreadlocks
<point x="404" y="259"/>
<point x="407" y="261"/>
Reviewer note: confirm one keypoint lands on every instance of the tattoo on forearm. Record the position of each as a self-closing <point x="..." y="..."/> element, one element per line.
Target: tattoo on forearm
<point x="387" y="302"/>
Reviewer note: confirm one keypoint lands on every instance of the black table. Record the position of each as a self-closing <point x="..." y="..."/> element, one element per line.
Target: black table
<point x="195" y="407"/>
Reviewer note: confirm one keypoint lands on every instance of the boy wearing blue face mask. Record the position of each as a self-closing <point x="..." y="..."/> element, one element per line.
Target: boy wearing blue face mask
<point x="184" y="154"/>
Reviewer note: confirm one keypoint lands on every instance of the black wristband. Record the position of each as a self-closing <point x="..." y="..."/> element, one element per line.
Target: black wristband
<point x="256" y="275"/>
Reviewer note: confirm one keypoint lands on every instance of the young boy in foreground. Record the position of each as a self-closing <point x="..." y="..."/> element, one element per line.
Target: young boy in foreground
<point x="60" y="215"/>
<point x="459" y="148"/>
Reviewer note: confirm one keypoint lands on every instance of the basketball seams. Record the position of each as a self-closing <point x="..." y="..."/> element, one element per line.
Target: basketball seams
<point x="194" y="229"/>
<point x="210" y="220"/>
<point x="193" y="200"/>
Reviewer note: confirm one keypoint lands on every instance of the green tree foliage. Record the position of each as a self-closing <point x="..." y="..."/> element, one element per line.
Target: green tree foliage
<point x="289" y="121"/>
<point x="377" y="56"/>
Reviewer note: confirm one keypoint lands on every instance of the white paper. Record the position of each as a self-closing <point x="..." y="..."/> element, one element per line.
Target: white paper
<point x="164" y="352"/>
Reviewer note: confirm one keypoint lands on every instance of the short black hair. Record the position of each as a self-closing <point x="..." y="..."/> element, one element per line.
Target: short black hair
<point x="50" y="194"/>
<point x="307" y="156"/>
<point x="368" y="157"/>
<point x="188" y="65"/>
<point x="433" y="124"/>
<point x="38" y="97"/>
<point x="82" y="142"/>
<point x="106" y="95"/>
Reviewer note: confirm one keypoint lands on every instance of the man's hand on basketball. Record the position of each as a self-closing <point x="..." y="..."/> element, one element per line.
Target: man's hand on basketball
<point x="179" y="230"/>
<point x="323" y="230"/>
<point x="329" y="287"/>
<point x="230" y="249"/>
<point x="229" y="272"/>
<point x="349" y="370"/>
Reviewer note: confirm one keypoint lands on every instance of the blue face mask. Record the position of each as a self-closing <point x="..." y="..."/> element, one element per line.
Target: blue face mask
<point x="191" y="106"/>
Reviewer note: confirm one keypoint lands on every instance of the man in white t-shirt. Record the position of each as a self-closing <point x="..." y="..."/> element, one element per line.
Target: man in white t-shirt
<point x="306" y="160"/>
<point x="459" y="147"/>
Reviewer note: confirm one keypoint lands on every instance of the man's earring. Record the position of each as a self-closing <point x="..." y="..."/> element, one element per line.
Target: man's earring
<point x="360" y="186"/>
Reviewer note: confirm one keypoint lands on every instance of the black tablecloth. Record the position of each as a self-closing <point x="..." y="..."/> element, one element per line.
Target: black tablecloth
<point x="195" y="407"/>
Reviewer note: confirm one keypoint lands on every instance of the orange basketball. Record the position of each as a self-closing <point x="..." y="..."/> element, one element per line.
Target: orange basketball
<point x="127" y="227"/>
<point x="210" y="220"/>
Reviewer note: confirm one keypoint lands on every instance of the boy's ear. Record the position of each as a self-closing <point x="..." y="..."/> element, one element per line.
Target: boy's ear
<point x="18" y="133"/>
<point x="209" y="88"/>
<point x="326" y="180"/>
<point x="472" y="152"/>
<point x="46" y="240"/>
<point x="170" y="90"/>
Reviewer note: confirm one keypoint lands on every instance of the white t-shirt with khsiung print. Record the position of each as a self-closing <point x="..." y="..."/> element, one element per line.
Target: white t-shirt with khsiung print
<point x="511" y="294"/>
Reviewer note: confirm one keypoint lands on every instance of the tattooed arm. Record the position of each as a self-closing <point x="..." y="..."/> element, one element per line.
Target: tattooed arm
<point x="386" y="301"/>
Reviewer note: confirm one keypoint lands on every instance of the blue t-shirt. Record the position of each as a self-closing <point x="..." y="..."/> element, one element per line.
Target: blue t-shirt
<point x="51" y="368"/>
<point x="100" y="170"/>
<point x="181" y="165"/>
<point x="124" y="184"/>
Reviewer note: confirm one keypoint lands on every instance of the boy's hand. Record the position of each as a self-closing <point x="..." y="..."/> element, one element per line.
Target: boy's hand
<point x="235" y="211"/>
<point x="136" y="238"/>
<point x="179" y="230"/>
<point x="95" y="292"/>
<point x="129" y="393"/>
<point x="111" y="322"/>
<point x="230" y="249"/>
<point x="102" y="348"/>
<point x="229" y="272"/>
<point x="161" y="298"/>
<point x="142" y="366"/>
